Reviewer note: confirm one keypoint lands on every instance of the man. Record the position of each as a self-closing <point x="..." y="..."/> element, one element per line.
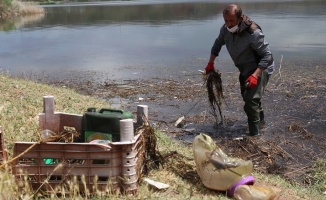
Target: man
<point x="250" y="53"/>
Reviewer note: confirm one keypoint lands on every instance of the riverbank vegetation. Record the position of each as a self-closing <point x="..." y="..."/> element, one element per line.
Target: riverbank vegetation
<point x="13" y="8"/>
<point x="22" y="100"/>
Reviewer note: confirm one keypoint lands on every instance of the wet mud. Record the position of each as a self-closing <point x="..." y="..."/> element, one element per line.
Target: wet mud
<point x="294" y="104"/>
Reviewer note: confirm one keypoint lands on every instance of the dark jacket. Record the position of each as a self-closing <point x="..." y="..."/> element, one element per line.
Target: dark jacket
<point x="247" y="47"/>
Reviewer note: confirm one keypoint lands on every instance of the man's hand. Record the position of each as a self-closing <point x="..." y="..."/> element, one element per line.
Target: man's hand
<point x="209" y="67"/>
<point x="252" y="80"/>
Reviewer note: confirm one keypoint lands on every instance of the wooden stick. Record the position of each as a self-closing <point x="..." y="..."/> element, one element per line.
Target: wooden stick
<point x="279" y="71"/>
<point x="296" y="170"/>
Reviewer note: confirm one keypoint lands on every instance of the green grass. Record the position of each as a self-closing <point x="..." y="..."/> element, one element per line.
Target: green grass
<point x="318" y="172"/>
<point x="5" y="7"/>
<point x="22" y="101"/>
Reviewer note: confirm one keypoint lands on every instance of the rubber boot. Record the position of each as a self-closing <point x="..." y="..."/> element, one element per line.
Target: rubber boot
<point x="262" y="118"/>
<point x="254" y="128"/>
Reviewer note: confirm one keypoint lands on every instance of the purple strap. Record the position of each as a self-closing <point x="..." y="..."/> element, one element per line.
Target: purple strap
<point x="248" y="180"/>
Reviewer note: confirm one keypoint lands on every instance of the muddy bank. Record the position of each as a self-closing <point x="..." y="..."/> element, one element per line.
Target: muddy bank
<point x="294" y="103"/>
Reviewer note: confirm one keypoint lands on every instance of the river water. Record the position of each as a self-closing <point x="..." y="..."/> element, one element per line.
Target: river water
<point x="152" y="37"/>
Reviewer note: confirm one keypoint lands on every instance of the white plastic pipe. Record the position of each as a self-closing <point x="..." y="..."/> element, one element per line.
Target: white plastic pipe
<point x="141" y="109"/>
<point x="126" y="130"/>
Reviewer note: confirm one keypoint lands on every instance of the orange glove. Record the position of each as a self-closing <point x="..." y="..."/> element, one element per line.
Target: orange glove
<point x="209" y="67"/>
<point x="252" y="80"/>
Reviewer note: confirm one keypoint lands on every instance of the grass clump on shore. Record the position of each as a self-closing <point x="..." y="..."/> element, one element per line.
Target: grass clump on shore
<point x="22" y="101"/>
<point x="12" y="8"/>
<point x="6" y="8"/>
<point x="319" y="175"/>
<point x="27" y="8"/>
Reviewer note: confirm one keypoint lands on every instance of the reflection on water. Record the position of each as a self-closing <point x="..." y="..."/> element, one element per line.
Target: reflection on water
<point x="106" y="13"/>
<point x="112" y="14"/>
<point x="148" y="34"/>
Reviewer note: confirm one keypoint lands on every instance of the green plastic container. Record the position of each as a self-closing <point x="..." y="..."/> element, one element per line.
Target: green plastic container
<point x="105" y="121"/>
<point x="95" y="135"/>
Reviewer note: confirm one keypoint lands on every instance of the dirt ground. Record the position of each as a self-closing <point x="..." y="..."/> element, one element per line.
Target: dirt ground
<point x="294" y="103"/>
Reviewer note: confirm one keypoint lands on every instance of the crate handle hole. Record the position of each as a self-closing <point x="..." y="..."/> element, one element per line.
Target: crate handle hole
<point x="51" y="161"/>
<point x="29" y="178"/>
<point x="103" y="178"/>
<point x="55" y="178"/>
<point x="100" y="162"/>
<point x="27" y="161"/>
<point x="75" y="161"/>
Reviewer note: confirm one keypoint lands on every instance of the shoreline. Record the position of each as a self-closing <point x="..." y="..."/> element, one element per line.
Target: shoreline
<point x="294" y="102"/>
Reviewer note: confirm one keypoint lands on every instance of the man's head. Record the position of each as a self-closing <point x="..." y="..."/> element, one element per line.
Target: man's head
<point x="232" y="14"/>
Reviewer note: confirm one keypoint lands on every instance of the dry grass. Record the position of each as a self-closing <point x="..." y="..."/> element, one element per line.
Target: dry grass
<point x="22" y="100"/>
<point x="11" y="8"/>
<point x="27" y="8"/>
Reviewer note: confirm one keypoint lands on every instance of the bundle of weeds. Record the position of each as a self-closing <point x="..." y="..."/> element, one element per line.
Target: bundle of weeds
<point x="215" y="94"/>
<point x="152" y="156"/>
<point x="68" y="135"/>
<point x="172" y="160"/>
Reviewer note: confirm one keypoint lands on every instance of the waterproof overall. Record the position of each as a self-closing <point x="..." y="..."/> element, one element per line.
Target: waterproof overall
<point x="248" y="50"/>
<point x="252" y="98"/>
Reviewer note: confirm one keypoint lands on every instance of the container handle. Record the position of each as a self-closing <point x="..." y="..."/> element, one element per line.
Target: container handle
<point x="110" y="110"/>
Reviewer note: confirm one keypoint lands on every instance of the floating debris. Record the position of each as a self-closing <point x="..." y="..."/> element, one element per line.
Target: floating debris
<point x="179" y="121"/>
<point x="156" y="184"/>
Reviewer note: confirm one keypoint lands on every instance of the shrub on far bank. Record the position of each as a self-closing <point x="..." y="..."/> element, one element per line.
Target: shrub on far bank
<point x="12" y="8"/>
<point x="5" y="8"/>
<point x="5" y="3"/>
<point x="27" y="8"/>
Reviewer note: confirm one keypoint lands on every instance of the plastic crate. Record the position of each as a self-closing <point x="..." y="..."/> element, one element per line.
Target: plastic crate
<point x="114" y="166"/>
